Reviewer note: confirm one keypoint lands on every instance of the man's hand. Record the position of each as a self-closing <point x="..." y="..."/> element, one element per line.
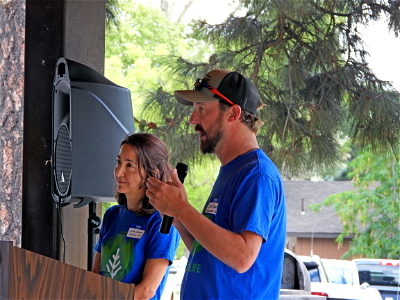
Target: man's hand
<point x="170" y="198"/>
<point x="167" y="198"/>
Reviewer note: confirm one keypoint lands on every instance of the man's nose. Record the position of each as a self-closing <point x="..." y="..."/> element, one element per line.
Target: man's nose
<point x="193" y="118"/>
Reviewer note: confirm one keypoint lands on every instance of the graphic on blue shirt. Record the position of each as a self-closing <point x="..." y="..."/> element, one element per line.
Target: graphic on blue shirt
<point x="117" y="256"/>
<point x="127" y="241"/>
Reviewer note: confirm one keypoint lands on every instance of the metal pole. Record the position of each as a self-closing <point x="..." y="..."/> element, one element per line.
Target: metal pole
<point x="91" y="235"/>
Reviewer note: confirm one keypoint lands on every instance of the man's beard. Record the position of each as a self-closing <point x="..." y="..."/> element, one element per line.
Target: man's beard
<point x="213" y="137"/>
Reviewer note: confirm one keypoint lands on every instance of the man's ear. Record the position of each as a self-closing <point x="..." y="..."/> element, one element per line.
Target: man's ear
<point x="235" y="112"/>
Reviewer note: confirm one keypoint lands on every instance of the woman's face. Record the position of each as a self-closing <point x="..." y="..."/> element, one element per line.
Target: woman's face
<point x="127" y="176"/>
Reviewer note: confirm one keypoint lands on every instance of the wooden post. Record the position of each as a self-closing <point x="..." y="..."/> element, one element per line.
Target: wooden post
<point x="74" y="29"/>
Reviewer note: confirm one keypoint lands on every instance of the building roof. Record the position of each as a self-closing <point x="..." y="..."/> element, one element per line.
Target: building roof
<point x="324" y="224"/>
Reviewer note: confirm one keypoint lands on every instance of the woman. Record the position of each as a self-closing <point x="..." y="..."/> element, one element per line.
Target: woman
<point x="130" y="248"/>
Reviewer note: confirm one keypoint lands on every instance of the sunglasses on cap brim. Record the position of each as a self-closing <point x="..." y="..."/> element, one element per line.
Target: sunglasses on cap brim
<point x="200" y="84"/>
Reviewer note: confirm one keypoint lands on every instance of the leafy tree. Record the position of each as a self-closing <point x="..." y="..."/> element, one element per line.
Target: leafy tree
<point x="371" y="211"/>
<point x="306" y="57"/>
<point x="112" y="10"/>
<point x="134" y="47"/>
<point x="348" y="154"/>
<point x="133" y="50"/>
<point x="308" y="61"/>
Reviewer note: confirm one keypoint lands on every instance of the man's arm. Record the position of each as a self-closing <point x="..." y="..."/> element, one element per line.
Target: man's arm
<point x="186" y="236"/>
<point x="238" y="251"/>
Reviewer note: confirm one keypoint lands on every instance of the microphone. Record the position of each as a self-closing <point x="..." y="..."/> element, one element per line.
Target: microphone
<point x="166" y="223"/>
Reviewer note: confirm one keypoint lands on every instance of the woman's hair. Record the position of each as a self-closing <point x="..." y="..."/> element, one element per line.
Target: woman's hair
<point x="152" y="155"/>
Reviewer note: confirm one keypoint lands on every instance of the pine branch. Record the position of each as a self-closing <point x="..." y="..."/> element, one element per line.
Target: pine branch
<point x="326" y="11"/>
<point x="267" y="45"/>
<point x="308" y="62"/>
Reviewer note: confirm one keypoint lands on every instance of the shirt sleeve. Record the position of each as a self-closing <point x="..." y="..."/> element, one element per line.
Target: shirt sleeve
<point x="253" y="205"/>
<point x="161" y="245"/>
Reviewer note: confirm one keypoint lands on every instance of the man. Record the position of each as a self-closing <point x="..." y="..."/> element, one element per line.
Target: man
<point x="237" y="243"/>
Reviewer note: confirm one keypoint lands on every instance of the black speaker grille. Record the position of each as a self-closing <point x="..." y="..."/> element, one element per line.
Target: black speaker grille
<point x="63" y="165"/>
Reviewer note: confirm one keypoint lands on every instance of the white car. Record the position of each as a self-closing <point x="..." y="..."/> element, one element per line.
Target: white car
<point x="342" y="271"/>
<point x="344" y="291"/>
<point x="382" y="274"/>
<point x="322" y="284"/>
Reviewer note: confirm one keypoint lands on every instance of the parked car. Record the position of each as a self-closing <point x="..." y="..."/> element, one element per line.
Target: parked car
<point x="342" y="271"/>
<point x="315" y="268"/>
<point x="382" y="274"/>
<point x="322" y="284"/>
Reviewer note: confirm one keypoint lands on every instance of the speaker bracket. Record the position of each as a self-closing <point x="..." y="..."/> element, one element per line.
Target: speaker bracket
<point x="84" y="201"/>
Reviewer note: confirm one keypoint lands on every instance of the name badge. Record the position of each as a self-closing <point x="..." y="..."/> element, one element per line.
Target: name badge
<point x="212" y="207"/>
<point x="136" y="232"/>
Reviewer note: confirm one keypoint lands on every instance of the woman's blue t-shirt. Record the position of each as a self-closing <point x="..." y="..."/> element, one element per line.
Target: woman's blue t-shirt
<point x="127" y="240"/>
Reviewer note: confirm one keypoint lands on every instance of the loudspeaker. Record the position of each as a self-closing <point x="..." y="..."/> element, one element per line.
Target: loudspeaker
<point x="91" y="117"/>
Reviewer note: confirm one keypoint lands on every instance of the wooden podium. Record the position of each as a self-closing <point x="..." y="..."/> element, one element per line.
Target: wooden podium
<point x="28" y="275"/>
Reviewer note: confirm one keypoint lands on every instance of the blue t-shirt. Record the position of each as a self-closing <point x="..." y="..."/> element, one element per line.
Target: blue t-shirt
<point x="247" y="195"/>
<point x="127" y="240"/>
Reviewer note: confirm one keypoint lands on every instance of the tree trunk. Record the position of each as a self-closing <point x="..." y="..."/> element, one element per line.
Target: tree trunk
<point x="167" y="9"/>
<point x="12" y="46"/>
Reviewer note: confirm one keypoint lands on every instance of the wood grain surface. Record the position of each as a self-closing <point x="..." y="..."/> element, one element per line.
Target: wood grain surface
<point x="34" y="276"/>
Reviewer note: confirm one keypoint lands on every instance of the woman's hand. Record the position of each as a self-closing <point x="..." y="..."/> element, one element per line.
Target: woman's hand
<point x="96" y="263"/>
<point x="153" y="274"/>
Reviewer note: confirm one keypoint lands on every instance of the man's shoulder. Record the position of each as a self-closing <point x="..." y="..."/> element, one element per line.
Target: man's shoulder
<point x="260" y="164"/>
<point x="254" y="167"/>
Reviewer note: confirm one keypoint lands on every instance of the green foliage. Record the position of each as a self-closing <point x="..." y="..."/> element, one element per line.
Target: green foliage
<point x="308" y="61"/>
<point x="348" y="153"/>
<point x="134" y="50"/>
<point x="112" y="10"/>
<point x="200" y="182"/>
<point x="135" y="53"/>
<point x="372" y="210"/>
<point x="107" y="205"/>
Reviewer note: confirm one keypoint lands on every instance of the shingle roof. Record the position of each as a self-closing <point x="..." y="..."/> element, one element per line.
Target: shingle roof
<point x="326" y="222"/>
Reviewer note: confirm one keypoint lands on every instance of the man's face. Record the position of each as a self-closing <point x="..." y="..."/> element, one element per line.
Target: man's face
<point x="208" y="121"/>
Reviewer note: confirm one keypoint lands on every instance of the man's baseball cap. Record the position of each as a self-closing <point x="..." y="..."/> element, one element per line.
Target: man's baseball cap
<point x="226" y="85"/>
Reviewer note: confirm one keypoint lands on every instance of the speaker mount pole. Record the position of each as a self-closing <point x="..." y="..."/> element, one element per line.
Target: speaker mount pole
<point x="93" y="224"/>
